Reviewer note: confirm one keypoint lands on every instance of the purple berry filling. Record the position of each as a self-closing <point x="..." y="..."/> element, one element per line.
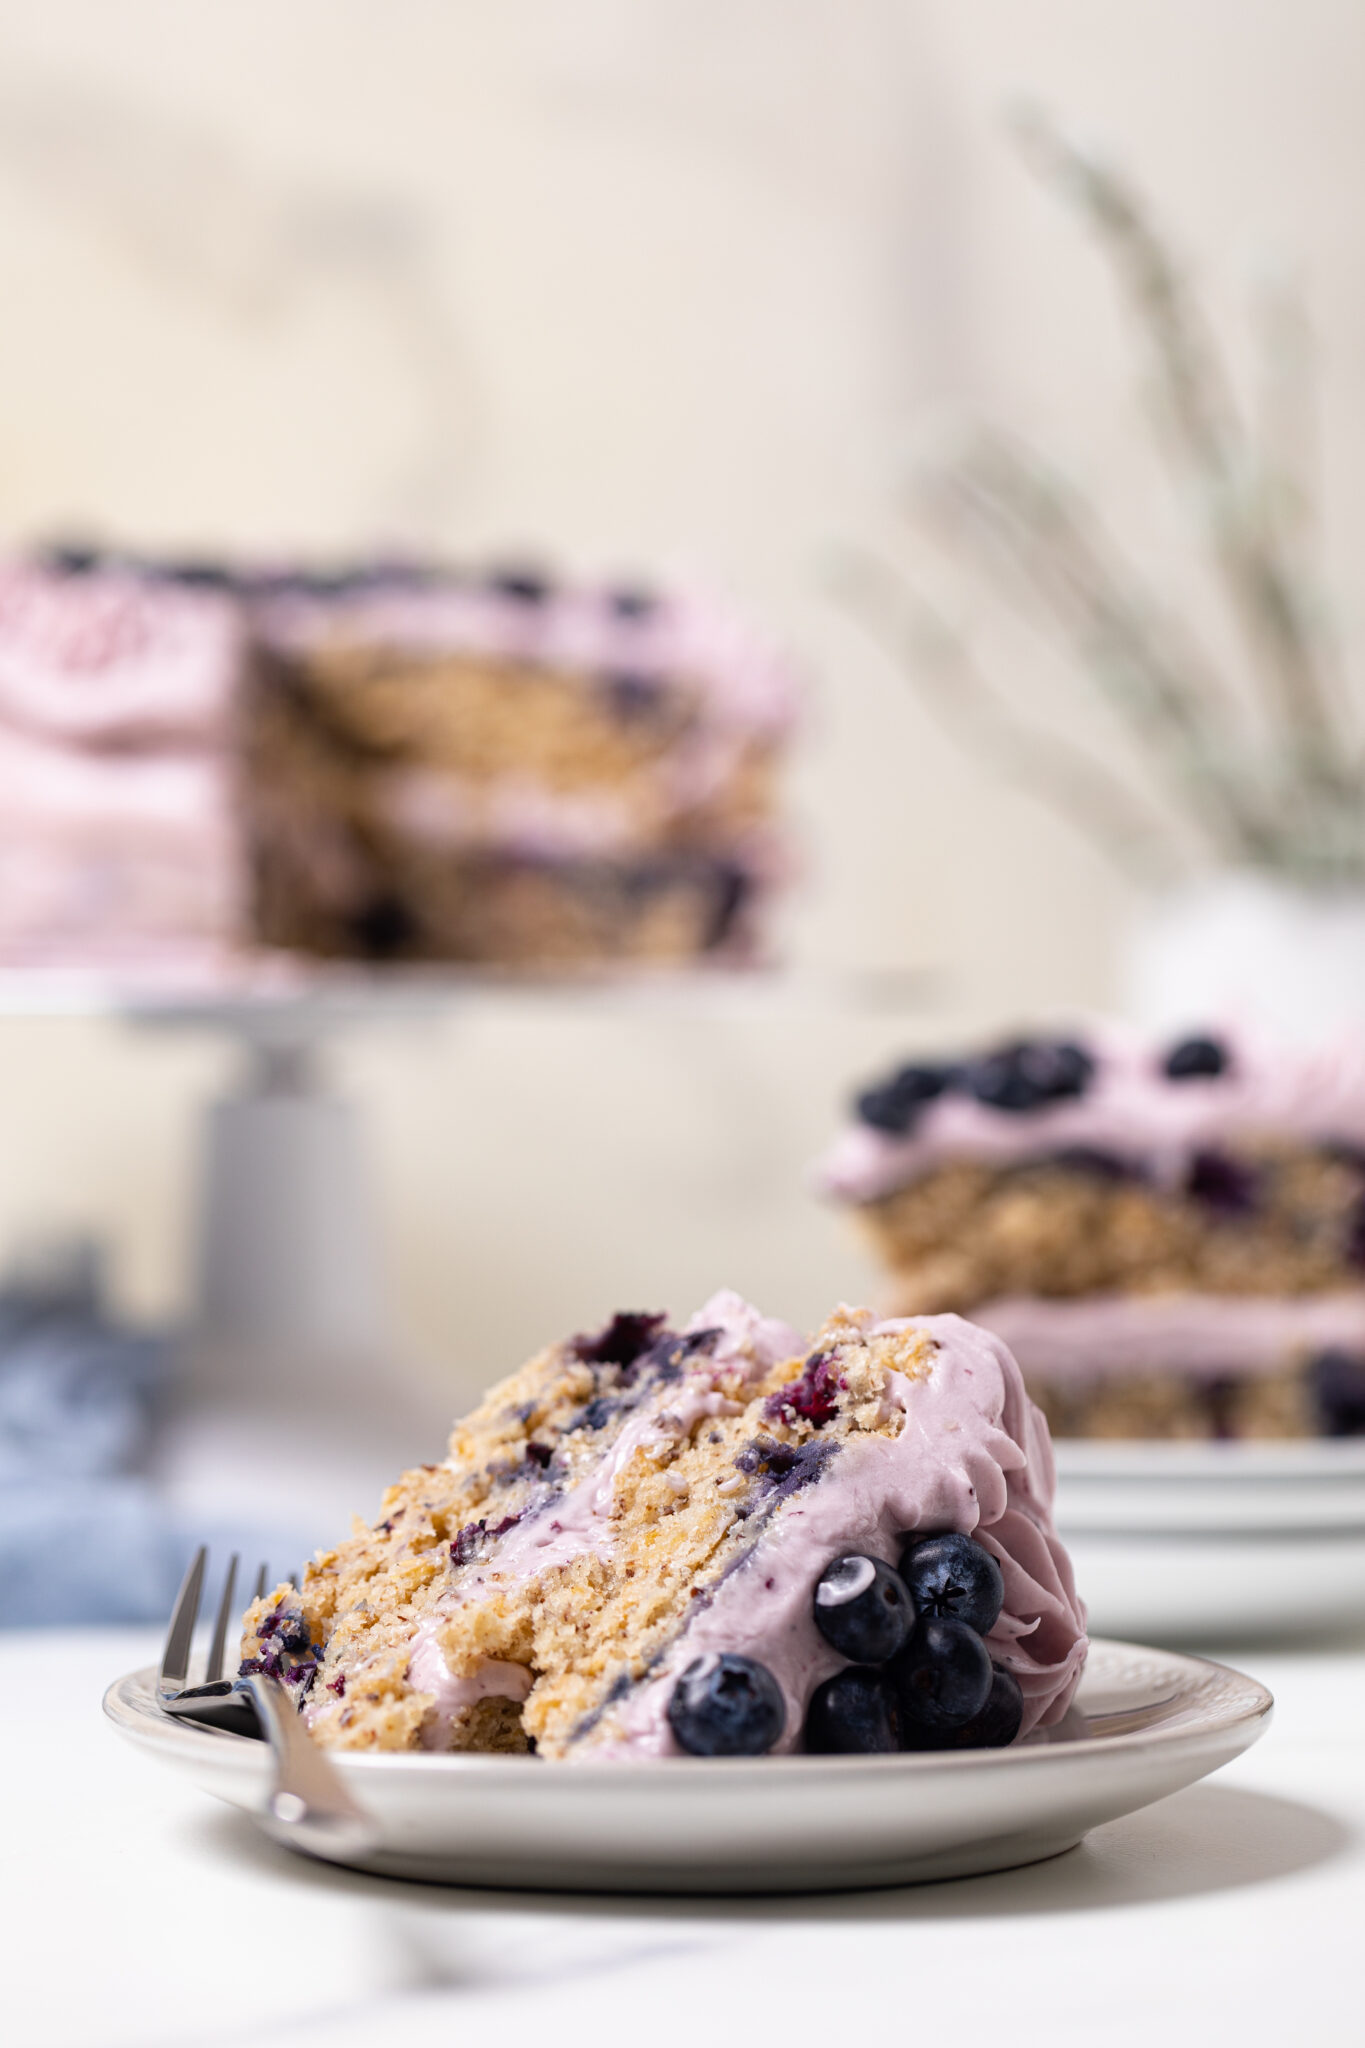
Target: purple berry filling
<point x="814" y="1397"/>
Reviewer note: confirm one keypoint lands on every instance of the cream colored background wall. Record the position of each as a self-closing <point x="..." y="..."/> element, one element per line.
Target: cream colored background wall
<point x="643" y="282"/>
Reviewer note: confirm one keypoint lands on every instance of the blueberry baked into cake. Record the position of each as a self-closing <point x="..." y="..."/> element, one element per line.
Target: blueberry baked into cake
<point x="384" y="763"/>
<point x="713" y="1540"/>
<point x="1170" y="1238"/>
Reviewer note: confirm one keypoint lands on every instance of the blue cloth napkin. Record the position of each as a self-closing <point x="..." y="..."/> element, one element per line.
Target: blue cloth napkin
<point x="85" y="1537"/>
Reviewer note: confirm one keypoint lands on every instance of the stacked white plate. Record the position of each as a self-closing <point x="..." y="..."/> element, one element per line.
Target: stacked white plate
<point x="1215" y="1542"/>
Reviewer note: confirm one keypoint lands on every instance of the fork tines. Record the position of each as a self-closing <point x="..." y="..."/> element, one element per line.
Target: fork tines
<point x="217" y="1700"/>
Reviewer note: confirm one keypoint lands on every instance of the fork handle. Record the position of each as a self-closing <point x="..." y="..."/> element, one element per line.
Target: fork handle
<point x="309" y="1807"/>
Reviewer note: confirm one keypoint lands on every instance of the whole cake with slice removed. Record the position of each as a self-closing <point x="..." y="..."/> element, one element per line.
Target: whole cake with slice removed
<point x="711" y="1540"/>
<point x="205" y="763"/>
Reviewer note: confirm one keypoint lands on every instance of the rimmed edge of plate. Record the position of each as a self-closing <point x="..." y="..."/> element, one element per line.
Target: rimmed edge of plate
<point x="1246" y="1704"/>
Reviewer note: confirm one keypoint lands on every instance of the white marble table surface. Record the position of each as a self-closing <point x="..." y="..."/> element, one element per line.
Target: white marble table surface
<point x="137" y="1911"/>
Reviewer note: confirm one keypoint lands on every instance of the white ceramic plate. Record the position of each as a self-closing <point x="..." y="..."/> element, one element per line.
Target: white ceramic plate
<point x="1146" y="1723"/>
<point x="1212" y="1542"/>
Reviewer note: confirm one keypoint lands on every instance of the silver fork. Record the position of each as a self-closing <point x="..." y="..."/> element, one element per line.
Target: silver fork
<point x="309" y="1806"/>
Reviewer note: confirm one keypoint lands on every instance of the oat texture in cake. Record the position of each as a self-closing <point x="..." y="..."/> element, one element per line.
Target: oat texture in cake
<point x="1170" y="1236"/>
<point x="709" y="1540"/>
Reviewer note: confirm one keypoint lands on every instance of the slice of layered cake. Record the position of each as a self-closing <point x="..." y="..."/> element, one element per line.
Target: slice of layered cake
<point x="1171" y="1238"/>
<point x="384" y="764"/>
<point x="709" y="1540"/>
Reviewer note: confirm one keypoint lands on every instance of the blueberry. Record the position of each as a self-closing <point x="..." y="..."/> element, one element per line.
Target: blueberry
<point x="1226" y="1185"/>
<point x="1196" y="1059"/>
<point x="1028" y="1073"/>
<point x="953" y="1579"/>
<point x="523" y="586"/>
<point x="892" y="1105"/>
<point x="1000" y="1720"/>
<point x="384" y="929"/>
<point x="624" y="1341"/>
<point x="632" y="696"/>
<point x="1066" y="1068"/>
<point x="855" y="1713"/>
<point x="943" y="1677"/>
<point x="1337" y="1382"/>
<point x="995" y="1727"/>
<point x="198" y="574"/>
<point x="71" y="558"/>
<point x="862" y="1608"/>
<point x="814" y="1397"/>
<point x="632" y="601"/>
<point x="726" y="1706"/>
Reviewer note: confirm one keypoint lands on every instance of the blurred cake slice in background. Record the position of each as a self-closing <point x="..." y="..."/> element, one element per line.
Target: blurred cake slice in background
<point x="387" y="763"/>
<point x="1171" y="1238"/>
<point x="712" y="1539"/>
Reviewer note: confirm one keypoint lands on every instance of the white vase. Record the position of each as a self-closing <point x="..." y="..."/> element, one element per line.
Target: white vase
<point x="1247" y="948"/>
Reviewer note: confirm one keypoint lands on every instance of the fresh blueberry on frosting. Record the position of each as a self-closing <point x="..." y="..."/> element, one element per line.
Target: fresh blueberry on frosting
<point x="725" y="1705"/>
<point x="995" y="1727"/>
<point x="71" y="558"/>
<point x="863" y="1610"/>
<point x="953" y="1579"/>
<point x="1029" y="1073"/>
<point x="999" y="1721"/>
<point x="893" y="1105"/>
<point x="943" y="1677"/>
<point x="632" y="601"/>
<point x="1196" y="1059"/>
<point x="522" y="585"/>
<point x="855" y="1713"/>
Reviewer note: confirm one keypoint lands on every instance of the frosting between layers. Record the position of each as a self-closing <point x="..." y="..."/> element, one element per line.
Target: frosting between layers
<point x="973" y="1455"/>
<point x="743" y="679"/>
<point x="1130" y="1109"/>
<point x="1202" y="1336"/>
<point x="579" y="1522"/>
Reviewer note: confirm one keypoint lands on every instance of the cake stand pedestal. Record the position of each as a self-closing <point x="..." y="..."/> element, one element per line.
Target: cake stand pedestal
<point x="296" y="1390"/>
<point x="293" y="1367"/>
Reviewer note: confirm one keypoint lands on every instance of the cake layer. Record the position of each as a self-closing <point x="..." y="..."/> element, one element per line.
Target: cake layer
<point x="1251" y="1219"/>
<point x="640" y="1506"/>
<point x="333" y="895"/>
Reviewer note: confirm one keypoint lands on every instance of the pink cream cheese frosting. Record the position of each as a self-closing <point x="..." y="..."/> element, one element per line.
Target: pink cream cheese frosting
<point x="1130" y="1108"/>
<point x="971" y="1453"/>
<point x="1199" y="1336"/>
<point x="111" y="660"/>
<point x="744" y="680"/>
<point x="117" y="835"/>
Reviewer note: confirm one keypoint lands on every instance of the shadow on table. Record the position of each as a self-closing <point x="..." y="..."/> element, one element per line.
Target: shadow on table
<point x="1210" y="1838"/>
